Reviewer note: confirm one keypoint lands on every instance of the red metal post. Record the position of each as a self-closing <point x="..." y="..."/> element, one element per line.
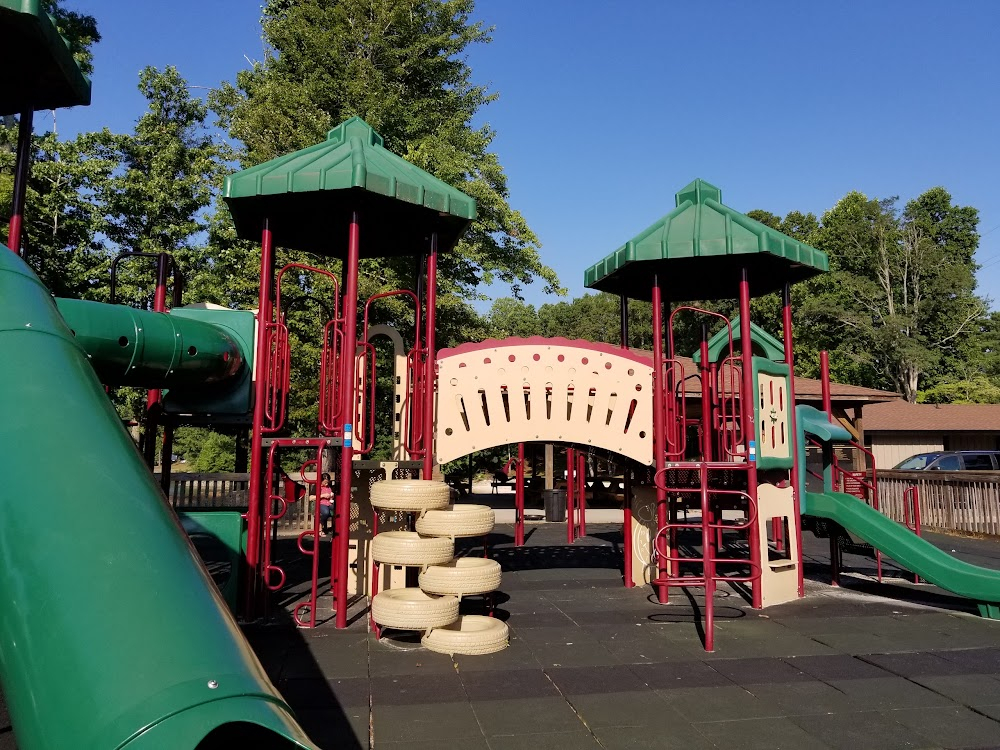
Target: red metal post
<point x="747" y="400"/>
<point x="264" y="313"/>
<point x="627" y="525"/>
<point x="786" y="316"/>
<point x="430" y="376"/>
<point x="659" y="438"/>
<point x="570" y="495"/>
<point x="581" y="479"/>
<point x="22" y="171"/>
<point x="518" y="498"/>
<point x="350" y="399"/>
<point x="708" y="558"/>
<point x="626" y="474"/>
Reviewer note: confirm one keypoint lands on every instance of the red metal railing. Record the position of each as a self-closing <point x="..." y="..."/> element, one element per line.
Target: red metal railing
<point x="674" y="409"/>
<point x="711" y="534"/>
<point x="730" y="421"/>
<point x="911" y="519"/>
<point x="364" y="418"/>
<point x="277" y="368"/>
<point x="331" y="407"/>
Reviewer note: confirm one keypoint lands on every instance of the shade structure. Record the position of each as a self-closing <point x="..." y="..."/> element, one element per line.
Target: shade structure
<point x="699" y="250"/>
<point x="40" y="70"/>
<point x="306" y="195"/>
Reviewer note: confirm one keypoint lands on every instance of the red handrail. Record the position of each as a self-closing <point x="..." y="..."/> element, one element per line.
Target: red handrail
<point x="365" y="436"/>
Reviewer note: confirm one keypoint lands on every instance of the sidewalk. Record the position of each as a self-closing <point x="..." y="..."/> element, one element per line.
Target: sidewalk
<point x="594" y="665"/>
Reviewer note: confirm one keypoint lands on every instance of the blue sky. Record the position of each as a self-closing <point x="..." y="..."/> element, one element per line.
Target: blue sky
<point x="606" y="109"/>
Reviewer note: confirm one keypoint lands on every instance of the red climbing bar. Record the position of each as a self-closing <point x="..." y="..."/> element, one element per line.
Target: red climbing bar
<point x="581" y="483"/>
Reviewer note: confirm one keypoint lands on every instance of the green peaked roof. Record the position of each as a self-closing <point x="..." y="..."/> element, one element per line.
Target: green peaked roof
<point x="699" y="250"/>
<point x="763" y="344"/>
<point x="39" y="69"/>
<point x="308" y="196"/>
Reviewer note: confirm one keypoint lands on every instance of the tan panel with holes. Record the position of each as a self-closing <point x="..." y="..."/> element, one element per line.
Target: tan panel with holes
<point x="543" y="392"/>
<point x="779" y="579"/>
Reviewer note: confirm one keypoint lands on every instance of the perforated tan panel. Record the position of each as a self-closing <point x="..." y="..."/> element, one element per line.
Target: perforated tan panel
<point x="773" y="433"/>
<point x="360" y="537"/>
<point x="552" y="390"/>
<point x="779" y="580"/>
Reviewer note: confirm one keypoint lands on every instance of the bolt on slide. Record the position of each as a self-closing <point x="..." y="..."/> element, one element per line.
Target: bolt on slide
<point x="112" y="634"/>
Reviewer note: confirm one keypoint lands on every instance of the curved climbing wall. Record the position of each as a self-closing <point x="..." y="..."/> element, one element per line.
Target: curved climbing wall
<point x="552" y="390"/>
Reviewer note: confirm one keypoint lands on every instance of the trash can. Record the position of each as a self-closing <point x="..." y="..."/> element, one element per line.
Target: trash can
<point x="554" y="502"/>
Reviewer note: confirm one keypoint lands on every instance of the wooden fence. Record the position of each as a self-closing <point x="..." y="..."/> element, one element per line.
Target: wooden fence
<point x="966" y="501"/>
<point x="228" y="491"/>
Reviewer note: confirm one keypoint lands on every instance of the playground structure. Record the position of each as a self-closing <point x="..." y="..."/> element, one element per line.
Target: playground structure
<point x="714" y="451"/>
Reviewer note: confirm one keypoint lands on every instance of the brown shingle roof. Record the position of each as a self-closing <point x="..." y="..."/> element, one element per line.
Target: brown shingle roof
<point x="904" y="416"/>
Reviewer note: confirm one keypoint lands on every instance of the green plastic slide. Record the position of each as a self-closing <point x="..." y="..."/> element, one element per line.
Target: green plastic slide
<point x="112" y="634"/>
<point x="909" y="550"/>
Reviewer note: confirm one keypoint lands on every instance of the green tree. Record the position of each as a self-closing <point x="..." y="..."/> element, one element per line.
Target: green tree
<point x="900" y="295"/>
<point x="399" y="65"/>
<point x="169" y="172"/>
<point x="512" y="317"/>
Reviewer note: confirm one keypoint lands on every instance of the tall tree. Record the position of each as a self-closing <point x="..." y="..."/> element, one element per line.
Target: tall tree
<point x="399" y="65"/>
<point x="168" y="175"/>
<point x="902" y="284"/>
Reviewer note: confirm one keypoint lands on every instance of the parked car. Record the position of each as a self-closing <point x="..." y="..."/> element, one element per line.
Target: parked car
<point x="952" y="461"/>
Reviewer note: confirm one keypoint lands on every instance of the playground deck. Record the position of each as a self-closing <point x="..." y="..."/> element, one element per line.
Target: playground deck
<point x="594" y="665"/>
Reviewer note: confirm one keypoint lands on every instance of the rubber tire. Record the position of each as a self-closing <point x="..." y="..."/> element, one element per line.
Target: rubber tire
<point x="410" y="495"/>
<point x="463" y="576"/>
<point x="471" y="635"/>
<point x="409" y="548"/>
<point x="457" y="520"/>
<point x="412" y="609"/>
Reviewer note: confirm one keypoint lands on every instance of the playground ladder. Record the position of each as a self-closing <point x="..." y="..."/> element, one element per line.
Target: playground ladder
<point x="712" y="496"/>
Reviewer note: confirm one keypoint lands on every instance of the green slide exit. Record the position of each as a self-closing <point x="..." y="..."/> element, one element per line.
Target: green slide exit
<point x="910" y="551"/>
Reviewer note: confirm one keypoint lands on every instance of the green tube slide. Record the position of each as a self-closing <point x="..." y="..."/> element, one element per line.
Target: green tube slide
<point x="906" y="548"/>
<point x="148" y="349"/>
<point x="112" y="635"/>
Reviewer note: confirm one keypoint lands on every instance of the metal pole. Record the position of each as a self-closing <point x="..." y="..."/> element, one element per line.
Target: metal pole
<point x="581" y="479"/>
<point x="786" y="316"/>
<point x="570" y="495"/>
<point x="747" y="400"/>
<point x="659" y="440"/>
<point x="264" y="313"/>
<point x="626" y="474"/>
<point x="154" y="395"/>
<point x="824" y="374"/>
<point x="430" y="373"/>
<point x="350" y="400"/>
<point x="22" y="171"/>
<point x="519" y="497"/>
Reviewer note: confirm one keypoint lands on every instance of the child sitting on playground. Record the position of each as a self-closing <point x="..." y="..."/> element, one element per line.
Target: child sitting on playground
<point x="326" y="500"/>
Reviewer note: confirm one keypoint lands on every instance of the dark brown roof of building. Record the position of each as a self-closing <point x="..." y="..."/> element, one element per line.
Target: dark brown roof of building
<point x="900" y="416"/>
